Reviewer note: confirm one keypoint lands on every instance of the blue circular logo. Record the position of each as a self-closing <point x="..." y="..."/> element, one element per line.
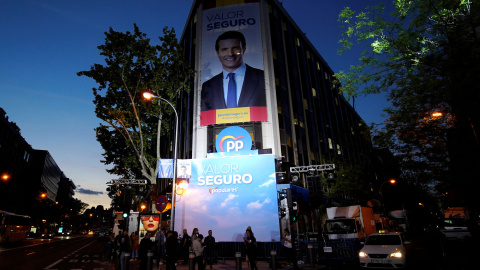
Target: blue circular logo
<point x="233" y="139"/>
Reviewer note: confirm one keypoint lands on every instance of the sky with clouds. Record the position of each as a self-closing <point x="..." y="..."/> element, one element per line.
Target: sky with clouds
<point x="46" y="42"/>
<point x="243" y="194"/>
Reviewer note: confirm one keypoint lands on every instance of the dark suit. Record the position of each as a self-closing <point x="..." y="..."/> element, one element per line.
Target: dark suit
<point x="252" y="95"/>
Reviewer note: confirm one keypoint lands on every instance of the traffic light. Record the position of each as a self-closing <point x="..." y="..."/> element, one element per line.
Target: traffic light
<point x="282" y="213"/>
<point x="280" y="174"/>
<point x="121" y="224"/>
<point x="294" y="211"/>
<point x="280" y="177"/>
<point x="125" y="215"/>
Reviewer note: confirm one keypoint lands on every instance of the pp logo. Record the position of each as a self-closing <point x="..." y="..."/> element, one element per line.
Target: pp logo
<point x="233" y="139"/>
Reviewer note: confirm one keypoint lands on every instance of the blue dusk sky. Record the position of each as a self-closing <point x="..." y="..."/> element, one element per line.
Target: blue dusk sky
<point x="46" y="42"/>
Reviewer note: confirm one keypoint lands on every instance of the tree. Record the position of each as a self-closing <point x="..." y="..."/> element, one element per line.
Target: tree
<point x="424" y="55"/>
<point x="351" y="184"/>
<point x="130" y="134"/>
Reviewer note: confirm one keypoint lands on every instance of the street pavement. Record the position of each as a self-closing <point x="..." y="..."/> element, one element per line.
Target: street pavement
<point x="229" y="265"/>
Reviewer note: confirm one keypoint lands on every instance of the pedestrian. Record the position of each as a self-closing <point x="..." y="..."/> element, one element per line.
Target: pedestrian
<point x="110" y="246"/>
<point x="186" y="242"/>
<point x="125" y="247"/>
<point x="251" y="249"/>
<point x="116" y="245"/>
<point x="160" y="246"/>
<point x="209" y="249"/>
<point x="171" y="247"/>
<point x="197" y="249"/>
<point x="145" y="245"/>
<point x="287" y="245"/>
<point x="135" y="245"/>
<point x="194" y="234"/>
<point x="245" y="236"/>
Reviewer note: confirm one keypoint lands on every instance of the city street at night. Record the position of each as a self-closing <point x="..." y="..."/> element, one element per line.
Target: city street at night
<point x="88" y="252"/>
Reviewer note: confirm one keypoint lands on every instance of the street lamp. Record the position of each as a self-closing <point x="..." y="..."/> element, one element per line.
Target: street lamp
<point x="149" y="96"/>
<point x="5" y="177"/>
<point x="392" y="182"/>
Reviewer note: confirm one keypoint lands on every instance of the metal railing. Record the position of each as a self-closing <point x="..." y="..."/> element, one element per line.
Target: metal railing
<point x="335" y="250"/>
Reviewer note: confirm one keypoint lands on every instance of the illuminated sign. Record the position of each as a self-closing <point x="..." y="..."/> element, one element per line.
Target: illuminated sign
<point x="165" y="168"/>
<point x="233" y="139"/>
<point x="229" y="194"/>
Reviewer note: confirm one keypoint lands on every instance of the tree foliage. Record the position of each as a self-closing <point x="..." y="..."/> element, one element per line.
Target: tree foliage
<point x="130" y="134"/>
<point x="424" y="55"/>
<point x="350" y="185"/>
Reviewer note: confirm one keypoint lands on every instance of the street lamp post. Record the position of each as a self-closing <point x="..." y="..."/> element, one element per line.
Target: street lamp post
<point x="149" y="96"/>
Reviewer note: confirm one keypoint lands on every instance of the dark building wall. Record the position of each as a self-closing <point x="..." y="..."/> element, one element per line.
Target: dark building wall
<point x="317" y="125"/>
<point x="30" y="172"/>
<point x="48" y="172"/>
<point x="16" y="162"/>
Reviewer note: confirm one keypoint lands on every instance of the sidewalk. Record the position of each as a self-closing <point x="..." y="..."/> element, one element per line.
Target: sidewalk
<point x="231" y="265"/>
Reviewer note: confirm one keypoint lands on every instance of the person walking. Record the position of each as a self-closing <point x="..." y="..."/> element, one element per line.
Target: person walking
<point x="197" y="249"/>
<point x="145" y="245"/>
<point x="251" y="249"/>
<point x="245" y="236"/>
<point x="287" y="245"/>
<point x="125" y="247"/>
<point x="135" y="245"/>
<point x="171" y="247"/>
<point x="186" y="242"/>
<point x="209" y="249"/>
<point x="110" y="246"/>
<point x="160" y="246"/>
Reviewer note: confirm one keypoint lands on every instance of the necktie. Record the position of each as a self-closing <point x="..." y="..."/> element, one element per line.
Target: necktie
<point x="232" y="91"/>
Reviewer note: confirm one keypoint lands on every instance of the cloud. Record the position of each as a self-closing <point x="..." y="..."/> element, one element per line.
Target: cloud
<point x="254" y="205"/>
<point x="268" y="183"/>
<point x="229" y="198"/>
<point x="257" y="204"/>
<point x="88" y="191"/>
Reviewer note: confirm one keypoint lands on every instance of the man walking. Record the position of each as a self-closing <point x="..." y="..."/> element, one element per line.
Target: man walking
<point x="209" y="249"/>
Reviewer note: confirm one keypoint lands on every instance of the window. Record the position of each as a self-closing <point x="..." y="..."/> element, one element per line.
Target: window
<point x="330" y="143"/>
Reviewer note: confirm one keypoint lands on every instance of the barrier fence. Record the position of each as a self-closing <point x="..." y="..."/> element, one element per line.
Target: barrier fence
<point x="321" y="250"/>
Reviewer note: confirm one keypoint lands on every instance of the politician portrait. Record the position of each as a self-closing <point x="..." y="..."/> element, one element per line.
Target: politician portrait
<point x="238" y="84"/>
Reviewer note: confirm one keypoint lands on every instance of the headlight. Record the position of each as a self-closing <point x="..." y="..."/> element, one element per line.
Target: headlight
<point x="397" y="254"/>
<point x="362" y="254"/>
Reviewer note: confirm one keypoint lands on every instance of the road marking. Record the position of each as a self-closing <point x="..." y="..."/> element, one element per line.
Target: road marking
<point x="53" y="264"/>
<point x="57" y="262"/>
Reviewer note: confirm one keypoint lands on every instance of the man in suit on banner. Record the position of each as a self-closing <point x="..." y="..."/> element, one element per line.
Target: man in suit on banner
<point x="238" y="85"/>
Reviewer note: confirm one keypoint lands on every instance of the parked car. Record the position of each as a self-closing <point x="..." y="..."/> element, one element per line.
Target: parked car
<point x="384" y="250"/>
<point x="48" y="235"/>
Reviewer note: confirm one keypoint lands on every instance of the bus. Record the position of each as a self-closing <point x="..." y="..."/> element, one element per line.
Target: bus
<point x="13" y="227"/>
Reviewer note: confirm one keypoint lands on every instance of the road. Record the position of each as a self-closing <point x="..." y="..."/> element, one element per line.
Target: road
<point x="86" y="252"/>
<point x="63" y="252"/>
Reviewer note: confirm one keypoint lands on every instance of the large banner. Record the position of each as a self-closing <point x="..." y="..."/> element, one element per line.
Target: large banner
<point x="232" y="76"/>
<point x="226" y="195"/>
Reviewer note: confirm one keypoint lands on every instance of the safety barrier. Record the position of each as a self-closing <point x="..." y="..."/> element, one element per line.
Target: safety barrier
<point x="321" y="250"/>
<point x="227" y="250"/>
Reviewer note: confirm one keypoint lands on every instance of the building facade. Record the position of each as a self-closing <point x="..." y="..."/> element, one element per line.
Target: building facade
<point x="305" y="119"/>
<point x="27" y="173"/>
